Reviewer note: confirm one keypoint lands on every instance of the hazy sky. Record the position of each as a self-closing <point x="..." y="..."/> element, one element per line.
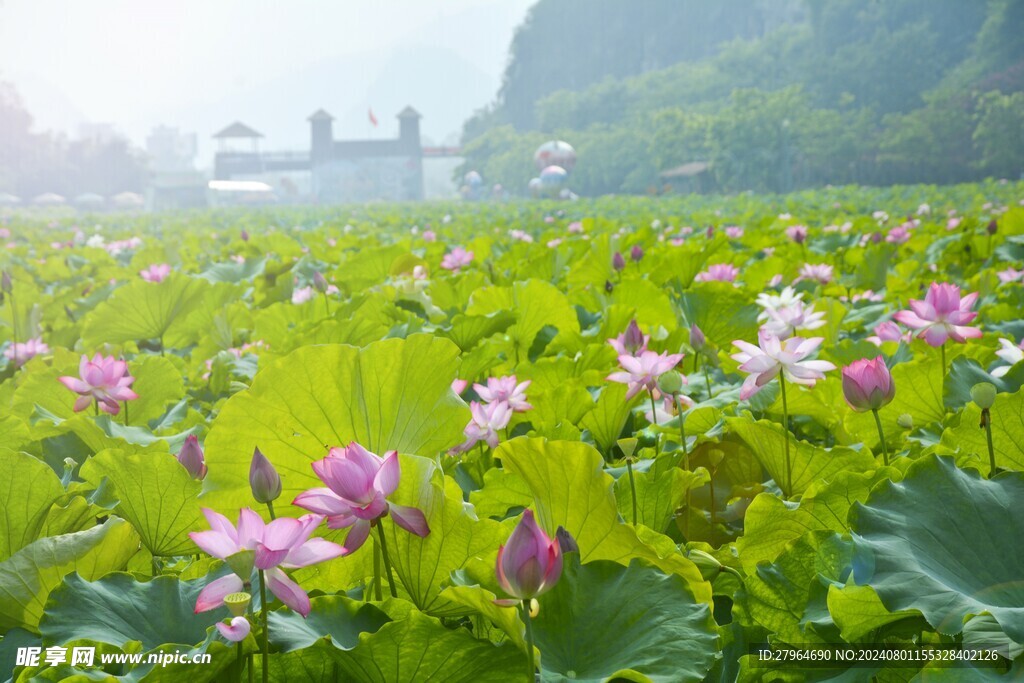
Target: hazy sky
<point x="195" y="63"/>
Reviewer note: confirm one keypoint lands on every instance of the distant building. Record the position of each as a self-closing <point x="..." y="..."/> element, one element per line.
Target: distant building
<point x="332" y="171"/>
<point x="171" y="151"/>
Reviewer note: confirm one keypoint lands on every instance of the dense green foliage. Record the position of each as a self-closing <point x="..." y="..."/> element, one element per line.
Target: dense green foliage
<point x="865" y="92"/>
<point x="697" y="531"/>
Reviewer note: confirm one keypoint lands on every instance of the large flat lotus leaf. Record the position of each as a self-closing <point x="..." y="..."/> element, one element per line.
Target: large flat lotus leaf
<point x="157" y="495"/>
<point x="536" y="304"/>
<point x="658" y="494"/>
<point x="1007" y="433"/>
<point x="158" y="384"/>
<point x="721" y="311"/>
<point x="423" y="565"/>
<point x="335" y="618"/>
<point x="770" y="522"/>
<point x="859" y="614"/>
<point x="570" y="489"/>
<point x="28" y="576"/>
<point x="13" y="432"/>
<point x="918" y="394"/>
<point x="468" y="330"/>
<point x="784" y="597"/>
<point x="606" y="421"/>
<point x="502" y="491"/>
<point x="391" y="395"/>
<point x="603" y="620"/>
<point x="414" y="650"/>
<point x="117" y="609"/>
<point x="28" y="487"/>
<point x="947" y="543"/>
<point x="810" y="463"/>
<point x="143" y="310"/>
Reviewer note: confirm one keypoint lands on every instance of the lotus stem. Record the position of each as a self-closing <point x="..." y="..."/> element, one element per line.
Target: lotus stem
<point x="524" y="610"/>
<point x="632" y="485"/>
<point x="239" y="661"/>
<point x="125" y="403"/>
<point x="986" y="421"/>
<point x="263" y="619"/>
<point x="270" y="509"/>
<point x="387" y="561"/>
<point x="14" y="318"/>
<point x="881" y="437"/>
<point x="942" y="349"/>
<point x="377" y="593"/>
<point x="686" y="462"/>
<point x="785" y="426"/>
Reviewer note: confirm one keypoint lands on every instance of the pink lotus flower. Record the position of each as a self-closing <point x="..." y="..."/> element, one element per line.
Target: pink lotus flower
<point x="358" y="485"/>
<point x="785" y="321"/>
<point x="734" y="232"/>
<point x="817" y="272"/>
<point x="797" y="233"/>
<point x="719" y="272"/>
<point x="456" y="259"/>
<point x="1011" y="274"/>
<point x="1009" y="353"/>
<point x="505" y="389"/>
<point x="103" y="379"/>
<point x="459" y="385"/>
<point x="156" y="272"/>
<point x="21" y="353"/>
<point x="867" y="384"/>
<point x="632" y="342"/>
<point x="284" y="542"/>
<point x="943" y="314"/>
<point x="575" y="227"/>
<point x="642" y="372"/>
<point x="888" y="331"/>
<point x="236" y="630"/>
<point x="669" y="408"/>
<point x="302" y="295"/>
<point x="772" y="356"/>
<point x="530" y="564"/>
<point x="898" y="235"/>
<point x="486" y="420"/>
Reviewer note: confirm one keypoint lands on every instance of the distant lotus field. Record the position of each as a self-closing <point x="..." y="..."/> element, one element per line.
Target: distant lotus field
<point x="642" y="439"/>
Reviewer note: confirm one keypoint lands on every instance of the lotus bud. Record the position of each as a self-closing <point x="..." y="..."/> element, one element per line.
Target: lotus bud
<point x="636" y="253"/>
<point x="618" y="262"/>
<point x="531" y="563"/>
<point x="984" y="394"/>
<point x="69" y="466"/>
<point x="608" y="286"/>
<point x="708" y="565"/>
<point x="867" y="384"/>
<point x="191" y="457"/>
<point x="697" y="338"/>
<point x="263" y="479"/>
<point x="993" y="227"/>
<point x="627" y="446"/>
<point x="245" y="236"/>
<point x="670" y="382"/>
<point x="320" y="282"/>
<point x="566" y="542"/>
<point x="237" y="603"/>
<point x="905" y="421"/>
<point x="633" y="338"/>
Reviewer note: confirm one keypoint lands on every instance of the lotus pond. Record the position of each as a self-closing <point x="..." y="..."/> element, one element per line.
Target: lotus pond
<point x="616" y="439"/>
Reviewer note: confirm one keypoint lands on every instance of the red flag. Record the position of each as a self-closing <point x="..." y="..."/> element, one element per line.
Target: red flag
<point x="373" y="119"/>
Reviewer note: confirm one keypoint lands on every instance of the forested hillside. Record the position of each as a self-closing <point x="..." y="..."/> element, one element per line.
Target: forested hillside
<point x="805" y="95"/>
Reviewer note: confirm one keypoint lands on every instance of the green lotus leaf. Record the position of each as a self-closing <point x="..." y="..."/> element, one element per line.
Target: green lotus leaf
<point x="570" y="489"/>
<point x="604" y="621"/>
<point x="337" y="619"/>
<point x="118" y="609"/>
<point x="155" y="493"/>
<point x="391" y="395"/>
<point x="414" y="650"/>
<point x="810" y="463"/>
<point x="28" y="487"/>
<point x="144" y="310"/>
<point x="28" y="576"/>
<point x="945" y="542"/>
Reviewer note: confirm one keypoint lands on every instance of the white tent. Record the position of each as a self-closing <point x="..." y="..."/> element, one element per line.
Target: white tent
<point x="49" y="199"/>
<point x="89" y="199"/>
<point x="128" y="200"/>
<point x="8" y="199"/>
